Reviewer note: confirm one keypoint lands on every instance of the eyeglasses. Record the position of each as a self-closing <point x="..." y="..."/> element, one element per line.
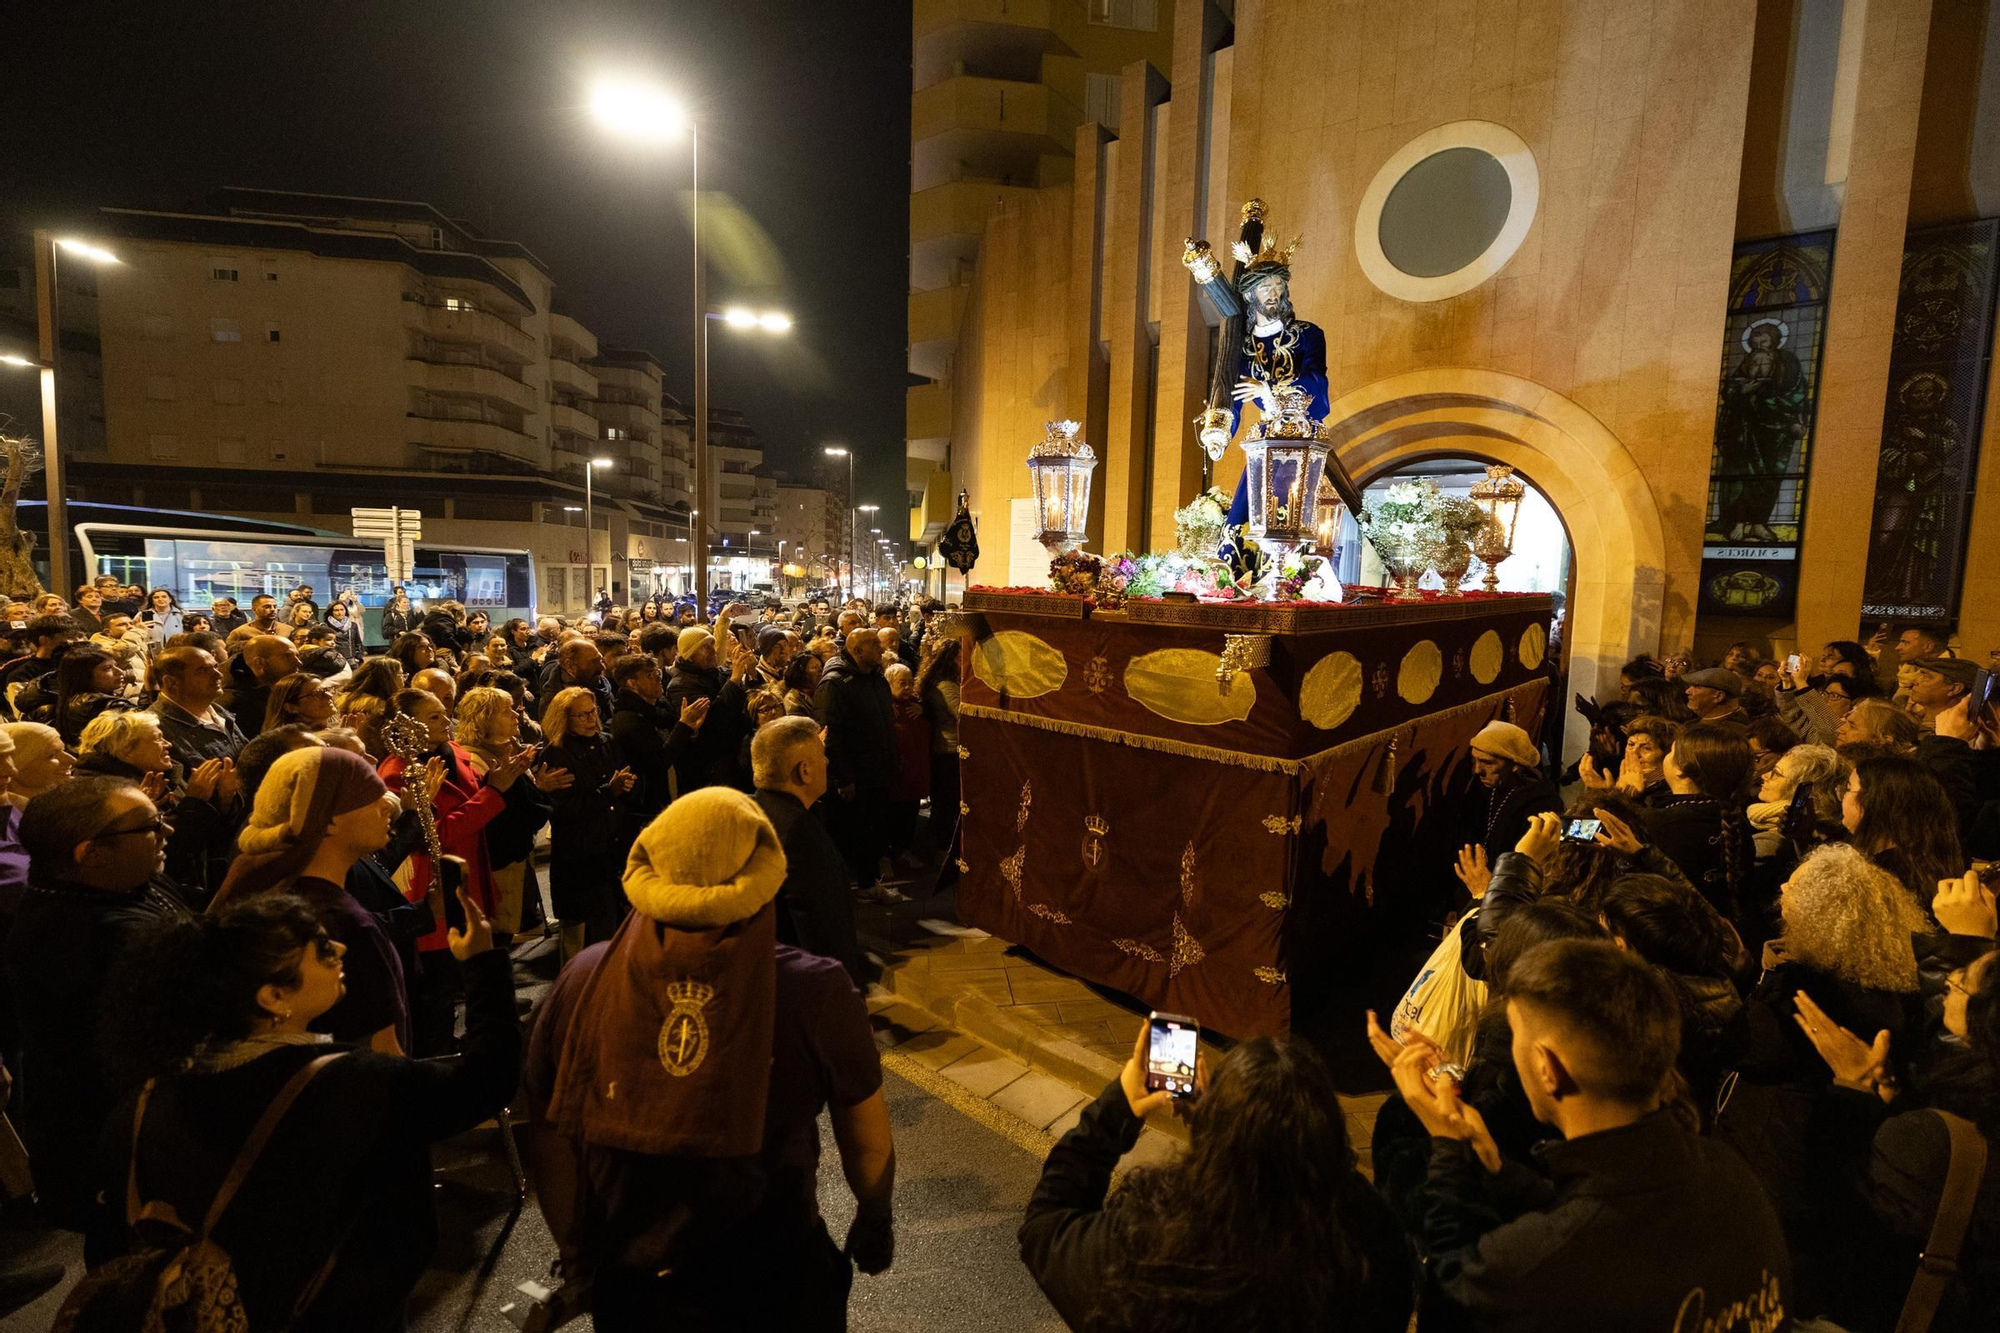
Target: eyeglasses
<point x="582" y="714"/>
<point x="158" y="827"/>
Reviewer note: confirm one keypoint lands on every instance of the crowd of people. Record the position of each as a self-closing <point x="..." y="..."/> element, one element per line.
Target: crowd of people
<point x="1715" y="1043"/>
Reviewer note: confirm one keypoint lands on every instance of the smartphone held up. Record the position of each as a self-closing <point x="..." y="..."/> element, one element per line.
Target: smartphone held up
<point x="1172" y="1044"/>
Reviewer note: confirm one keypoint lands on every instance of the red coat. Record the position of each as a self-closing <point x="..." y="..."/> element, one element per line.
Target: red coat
<point x="464" y="806"/>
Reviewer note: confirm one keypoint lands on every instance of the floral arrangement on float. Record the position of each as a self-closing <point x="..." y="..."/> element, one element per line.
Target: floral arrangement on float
<point x="1405" y="529"/>
<point x="1459" y="522"/>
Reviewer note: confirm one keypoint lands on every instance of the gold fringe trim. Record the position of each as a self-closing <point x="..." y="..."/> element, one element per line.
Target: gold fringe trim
<point x="1261" y="762"/>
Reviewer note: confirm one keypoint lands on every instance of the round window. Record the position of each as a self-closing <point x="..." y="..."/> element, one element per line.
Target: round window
<point x="1447" y="211"/>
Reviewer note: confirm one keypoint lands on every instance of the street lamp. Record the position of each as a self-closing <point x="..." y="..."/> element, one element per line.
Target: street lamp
<point x="859" y="510"/>
<point x="590" y="531"/>
<point x="48" y="324"/>
<point x="836" y="451"/>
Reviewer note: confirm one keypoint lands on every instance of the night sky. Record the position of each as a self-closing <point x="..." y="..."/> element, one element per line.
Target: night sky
<point x="477" y="107"/>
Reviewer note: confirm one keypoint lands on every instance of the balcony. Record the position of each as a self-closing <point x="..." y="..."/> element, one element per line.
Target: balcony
<point x="483" y="383"/>
<point x="929" y="519"/>
<point x="475" y="328"/>
<point x="935" y="315"/>
<point x="567" y="376"/>
<point x="455" y="437"/>
<point x="570" y="421"/>
<point x="634" y="417"/>
<point x="1043" y="25"/>
<point x="927" y="412"/>
<point x="563" y="329"/>
<point x="957" y="208"/>
<point x="969" y="104"/>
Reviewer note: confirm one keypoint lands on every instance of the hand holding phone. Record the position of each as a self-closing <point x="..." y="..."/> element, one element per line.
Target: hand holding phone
<point x="1582" y="830"/>
<point x="1172" y="1047"/>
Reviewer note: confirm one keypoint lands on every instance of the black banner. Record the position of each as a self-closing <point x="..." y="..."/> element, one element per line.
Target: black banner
<point x="1930" y="424"/>
<point x="1765" y="404"/>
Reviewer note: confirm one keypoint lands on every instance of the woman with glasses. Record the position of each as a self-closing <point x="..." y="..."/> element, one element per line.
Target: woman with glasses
<point x="213" y="1017"/>
<point x="202" y="807"/>
<point x="589" y="828"/>
<point x="302" y="698"/>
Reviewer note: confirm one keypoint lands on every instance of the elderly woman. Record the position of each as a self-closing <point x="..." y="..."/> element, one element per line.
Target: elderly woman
<point x="589" y="834"/>
<point x="489" y="731"/>
<point x="1816" y="766"/>
<point x="1881" y="726"/>
<point x="40" y="761"/>
<point x="201" y="809"/>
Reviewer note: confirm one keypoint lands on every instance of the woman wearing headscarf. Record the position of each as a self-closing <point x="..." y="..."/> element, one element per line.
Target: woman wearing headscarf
<point x="318" y="811"/>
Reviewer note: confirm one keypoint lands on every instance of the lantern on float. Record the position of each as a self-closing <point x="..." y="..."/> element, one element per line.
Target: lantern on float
<point x="1500" y="496"/>
<point x="1061" y="466"/>
<point x="1285" y="460"/>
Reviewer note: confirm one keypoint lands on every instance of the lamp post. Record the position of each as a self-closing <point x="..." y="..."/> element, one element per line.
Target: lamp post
<point x="639" y="112"/>
<point x="590" y="532"/>
<point x="859" y="510"/>
<point x="836" y="451"/>
<point x="48" y="327"/>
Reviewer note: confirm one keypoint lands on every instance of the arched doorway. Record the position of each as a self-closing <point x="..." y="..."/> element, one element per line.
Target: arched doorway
<point x="1618" y="577"/>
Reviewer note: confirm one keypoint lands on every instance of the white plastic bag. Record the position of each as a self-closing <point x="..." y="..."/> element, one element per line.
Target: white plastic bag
<point x="1442" y="1003"/>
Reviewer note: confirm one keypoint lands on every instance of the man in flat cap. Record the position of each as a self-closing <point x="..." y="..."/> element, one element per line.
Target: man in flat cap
<point x="1938" y="683"/>
<point x="1716" y="695"/>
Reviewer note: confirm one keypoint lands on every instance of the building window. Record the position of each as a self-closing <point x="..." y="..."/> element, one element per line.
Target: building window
<point x="459" y="303"/>
<point x="229" y="391"/>
<point x="1139" y="15"/>
<point x="159" y="326"/>
<point x="164" y="446"/>
<point x="226" y="330"/>
<point x="617" y="433"/>
<point x="271" y="334"/>
<point x="270" y="274"/>
<point x="223" y="274"/>
<point x="161" y="388"/>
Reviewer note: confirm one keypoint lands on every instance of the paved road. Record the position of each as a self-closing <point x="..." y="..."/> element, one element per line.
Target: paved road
<point x="960" y="1189"/>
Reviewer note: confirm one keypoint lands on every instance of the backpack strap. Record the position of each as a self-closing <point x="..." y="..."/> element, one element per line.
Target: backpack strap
<point x="260" y="1134"/>
<point x="1938" y="1264"/>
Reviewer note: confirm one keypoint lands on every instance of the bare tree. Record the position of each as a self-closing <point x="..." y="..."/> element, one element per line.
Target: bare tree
<point x="23" y="458"/>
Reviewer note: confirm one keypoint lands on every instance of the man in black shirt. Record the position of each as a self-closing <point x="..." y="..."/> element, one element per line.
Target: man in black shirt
<point x="815" y="911"/>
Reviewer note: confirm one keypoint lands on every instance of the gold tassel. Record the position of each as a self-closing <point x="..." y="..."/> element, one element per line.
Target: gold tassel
<point x="1385" y="777"/>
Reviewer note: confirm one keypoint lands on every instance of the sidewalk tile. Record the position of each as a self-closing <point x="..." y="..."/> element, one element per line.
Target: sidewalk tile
<point x="991" y="985"/>
<point x="984" y="1072"/>
<point x="1031" y="989"/>
<point x="1037" y="1099"/>
<point x="937" y="1048"/>
<point x="898" y="1023"/>
<point x="1068" y="1119"/>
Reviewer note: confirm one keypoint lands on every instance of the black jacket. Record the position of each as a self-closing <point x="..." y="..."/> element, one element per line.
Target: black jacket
<point x="1497" y="822"/>
<point x="815" y="910"/>
<point x="709" y="758"/>
<point x="245" y="699"/>
<point x="60" y="949"/>
<point x="652" y="739"/>
<point x="444" y="631"/>
<point x="552" y="679"/>
<point x="1069" y="1239"/>
<point x="1645" y="1226"/>
<point x="395" y="622"/>
<point x="356" y="1143"/>
<point x="347" y="639"/>
<point x="860" y="718"/>
<point x="224" y="624"/>
<point x="194" y="744"/>
<point x="589" y="832"/>
<point x="1710" y="843"/>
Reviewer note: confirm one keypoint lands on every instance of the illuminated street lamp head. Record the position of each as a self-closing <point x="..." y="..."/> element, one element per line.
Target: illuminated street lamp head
<point x="9" y="359"/>
<point x="868" y="509"/>
<point x="835" y="451"/>
<point x="572" y="509"/>
<point x="96" y="254"/>
<point x="636" y="111"/>
<point x="775" y="321"/>
<point x="602" y="462"/>
<point x="738" y="317"/>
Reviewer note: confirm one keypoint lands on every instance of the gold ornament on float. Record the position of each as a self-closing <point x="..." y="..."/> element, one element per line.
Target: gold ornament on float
<point x="1534" y="646"/>
<point x="1488" y="656"/>
<point x="1331" y="691"/>
<point x="1180" y="684"/>
<point x="1019" y="665"/>
<point x="1422" y="669"/>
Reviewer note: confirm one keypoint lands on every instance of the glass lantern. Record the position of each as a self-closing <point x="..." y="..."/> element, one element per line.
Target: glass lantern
<point x="1500" y="496"/>
<point x="1061" y="466"/>
<point x="1285" y="462"/>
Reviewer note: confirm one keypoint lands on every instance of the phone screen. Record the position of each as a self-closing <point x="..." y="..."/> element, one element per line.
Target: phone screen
<point x="1170" y="1054"/>
<point x="1792" y="663"/>
<point x="1582" y="830"/>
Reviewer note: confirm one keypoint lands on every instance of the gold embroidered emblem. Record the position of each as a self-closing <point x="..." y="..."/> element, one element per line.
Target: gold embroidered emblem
<point x="1097" y="676"/>
<point x="963" y="868"/>
<point x="684" y="1036"/>
<point x="1011" y="868"/>
<point x="964" y="809"/>
<point x="1270" y="976"/>
<point x="1280" y="824"/>
<point x="1027" y="799"/>
<point x="1048" y="913"/>
<point x="1094" y="830"/>
<point x="1380" y="680"/>
<point x="1189" y="885"/>
<point x="1274" y="900"/>
<point x="1187" y="949"/>
<point x="964" y="753"/>
<point x="1138" y="950"/>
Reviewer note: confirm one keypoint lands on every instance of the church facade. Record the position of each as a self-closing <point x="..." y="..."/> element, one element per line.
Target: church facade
<point x="1715" y="276"/>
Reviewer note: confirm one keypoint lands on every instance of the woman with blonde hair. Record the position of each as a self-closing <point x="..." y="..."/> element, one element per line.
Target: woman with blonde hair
<point x="200" y="808"/>
<point x="1816" y="766"/>
<point x="489" y="731"/>
<point x="1881" y="724"/>
<point x="589" y="834"/>
<point x="364" y="705"/>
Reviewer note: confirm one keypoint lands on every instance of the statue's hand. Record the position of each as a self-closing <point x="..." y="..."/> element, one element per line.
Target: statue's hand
<point x="1246" y="390"/>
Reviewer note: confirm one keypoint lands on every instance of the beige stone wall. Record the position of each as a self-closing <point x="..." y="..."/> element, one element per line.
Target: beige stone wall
<point x="1634" y="113"/>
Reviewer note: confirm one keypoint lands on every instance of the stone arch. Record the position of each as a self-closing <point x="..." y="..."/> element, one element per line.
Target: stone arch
<point x="1588" y="475"/>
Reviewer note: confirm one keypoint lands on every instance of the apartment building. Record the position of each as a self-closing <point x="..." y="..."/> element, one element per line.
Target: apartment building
<point x="809" y="525"/>
<point x="294" y="356"/>
<point x="1005" y="94"/>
